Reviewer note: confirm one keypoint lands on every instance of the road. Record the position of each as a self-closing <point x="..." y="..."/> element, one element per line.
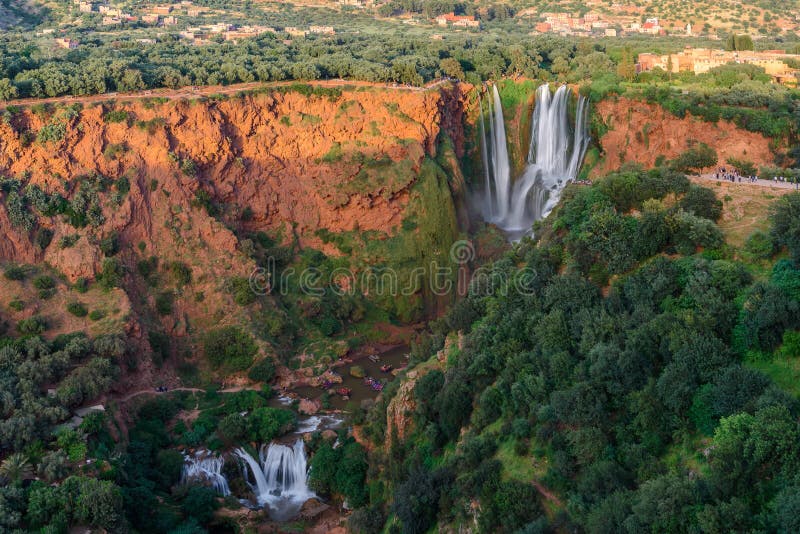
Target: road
<point x="205" y="91"/>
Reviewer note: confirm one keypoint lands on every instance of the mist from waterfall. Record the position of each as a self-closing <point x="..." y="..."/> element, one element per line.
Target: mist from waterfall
<point x="281" y="478"/>
<point x="204" y="467"/>
<point x="554" y="157"/>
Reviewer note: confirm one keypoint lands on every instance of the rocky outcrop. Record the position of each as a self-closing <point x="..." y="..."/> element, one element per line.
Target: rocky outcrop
<point x="641" y="132"/>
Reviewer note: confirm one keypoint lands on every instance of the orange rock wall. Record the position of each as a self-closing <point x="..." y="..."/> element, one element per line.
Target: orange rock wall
<point x="641" y="132"/>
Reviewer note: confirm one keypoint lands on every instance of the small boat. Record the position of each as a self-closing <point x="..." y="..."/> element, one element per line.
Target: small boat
<point x="326" y="384"/>
<point x="344" y="392"/>
<point x="386" y="368"/>
<point x="377" y="386"/>
<point x="374" y="358"/>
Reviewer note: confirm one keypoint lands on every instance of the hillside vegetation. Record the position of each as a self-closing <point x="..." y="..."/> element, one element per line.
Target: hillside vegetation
<point x="614" y="386"/>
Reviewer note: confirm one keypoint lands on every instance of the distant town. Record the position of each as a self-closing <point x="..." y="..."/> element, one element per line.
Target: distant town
<point x="702" y="60"/>
<point x="627" y="20"/>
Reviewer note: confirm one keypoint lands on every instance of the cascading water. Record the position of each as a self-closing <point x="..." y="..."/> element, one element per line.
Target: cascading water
<point x="281" y="478"/>
<point x="205" y="467"/>
<point x="500" y="166"/>
<point x="554" y="158"/>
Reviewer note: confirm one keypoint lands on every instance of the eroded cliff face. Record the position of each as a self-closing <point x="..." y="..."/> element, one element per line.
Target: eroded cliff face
<point x="284" y="161"/>
<point x="641" y="132"/>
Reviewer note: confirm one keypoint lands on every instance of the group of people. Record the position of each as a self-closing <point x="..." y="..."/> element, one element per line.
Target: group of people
<point x="732" y="175"/>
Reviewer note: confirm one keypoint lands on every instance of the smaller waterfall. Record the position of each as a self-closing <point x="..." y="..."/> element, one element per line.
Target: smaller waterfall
<point x="207" y="468"/>
<point x="281" y="478"/>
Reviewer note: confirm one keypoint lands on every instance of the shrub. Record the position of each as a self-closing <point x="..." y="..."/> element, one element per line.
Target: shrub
<point x="42" y="238"/>
<point x="164" y="302"/>
<point x="44" y="282"/>
<point x="189" y="167"/>
<point x="33" y="326"/>
<point x="68" y="241"/>
<point x="759" y="245"/>
<point x="52" y="132"/>
<point x="123" y="185"/>
<point x="16" y="272"/>
<point x="242" y="293"/>
<point x="109" y="245"/>
<point x="81" y="285"/>
<point x="111" y="274"/>
<point x="230" y="347"/>
<point x="702" y="202"/>
<point x="96" y="315"/>
<point x="77" y="309"/>
<point x="266" y="424"/>
<point x="181" y="272"/>
<point x="262" y="371"/>
<point x="16" y="305"/>
<point x="159" y="343"/>
<point x="116" y="115"/>
<point x="113" y="150"/>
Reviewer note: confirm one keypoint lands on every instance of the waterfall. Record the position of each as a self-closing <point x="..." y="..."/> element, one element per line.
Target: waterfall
<point x="555" y="155"/>
<point x="488" y="200"/>
<point x="500" y="165"/>
<point x="281" y="478"/>
<point x="205" y="467"/>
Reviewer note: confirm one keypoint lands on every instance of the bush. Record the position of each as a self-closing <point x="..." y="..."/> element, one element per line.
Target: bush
<point x="702" y="202"/>
<point x="164" y="302"/>
<point x="44" y="282"/>
<point x="243" y="294"/>
<point x="68" y="241"/>
<point x="262" y="371"/>
<point x="266" y="424"/>
<point x="181" y="272"/>
<point x="81" y="285"/>
<point x="111" y="274"/>
<point x="42" y="238"/>
<point x="33" y="326"/>
<point x="77" y="309"/>
<point x="759" y="245"/>
<point x="109" y="245"/>
<point x="16" y="272"/>
<point x="230" y="347"/>
<point x="116" y="115"/>
<point x="189" y="167"/>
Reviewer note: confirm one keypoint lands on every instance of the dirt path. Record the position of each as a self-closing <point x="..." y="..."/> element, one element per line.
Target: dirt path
<point x="547" y="494"/>
<point x="135" y="394"/>
<point x="762" y="183"/>
<point x="195" y="91"/>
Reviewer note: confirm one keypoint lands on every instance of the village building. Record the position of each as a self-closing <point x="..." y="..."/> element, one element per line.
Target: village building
<point x="702" y="60"/>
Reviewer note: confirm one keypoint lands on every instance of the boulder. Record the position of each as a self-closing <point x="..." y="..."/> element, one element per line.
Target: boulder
<point x="308" y="407"/>
<point x="312" y="508"/>
<point x="357" y="371"/>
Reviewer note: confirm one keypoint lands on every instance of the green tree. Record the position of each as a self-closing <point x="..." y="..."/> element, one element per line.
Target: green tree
<point x="7" y="89"/>
<point x="785" y="219"/>
<point x="16" y="468"/>
<point x="451" y="68"/>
